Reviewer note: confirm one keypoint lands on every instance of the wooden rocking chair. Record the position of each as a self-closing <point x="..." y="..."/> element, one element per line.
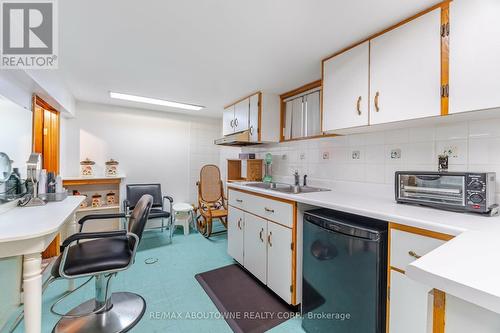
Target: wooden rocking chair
<point x="212" y="203"/>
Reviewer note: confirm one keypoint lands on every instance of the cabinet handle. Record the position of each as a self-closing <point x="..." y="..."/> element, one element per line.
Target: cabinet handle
<point x="358" y="106"/>
<point x="269" y="238"/>
<point x="251" y="130"/>
<point x="239" y="200"/>
<point x="269" y="210"/>
<point x="239" y="223"/>
<point x="414" y="255"/>
<point x="260" y="235"/>
<point x="377" y="108"/>
<point x="236" y="122"/>
<point x="232" y="123"/>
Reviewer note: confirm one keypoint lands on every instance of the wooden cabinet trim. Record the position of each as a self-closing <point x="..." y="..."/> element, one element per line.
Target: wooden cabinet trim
<point x="76" y="182"/>
<point x="263" y="195"/>
<point x="419" y="231"/>
<point x="242" y="99"/>
<point x="438" y="312"/>
<point x="411" y="18"/>
<point x="445" y="58"/>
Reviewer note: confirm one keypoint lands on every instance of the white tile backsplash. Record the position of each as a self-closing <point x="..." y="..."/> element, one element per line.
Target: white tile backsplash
<point x="475" y="146"/>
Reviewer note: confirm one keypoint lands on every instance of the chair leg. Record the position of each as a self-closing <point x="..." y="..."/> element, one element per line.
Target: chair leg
<point x="162" y="224"/>
<point x="209" y="227"/>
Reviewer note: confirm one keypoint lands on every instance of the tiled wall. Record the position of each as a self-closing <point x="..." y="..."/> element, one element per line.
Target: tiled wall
<point x="372" y="158"/>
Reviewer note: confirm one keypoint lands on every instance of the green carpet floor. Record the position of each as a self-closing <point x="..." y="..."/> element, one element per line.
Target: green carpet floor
<point x="168" y="286"/>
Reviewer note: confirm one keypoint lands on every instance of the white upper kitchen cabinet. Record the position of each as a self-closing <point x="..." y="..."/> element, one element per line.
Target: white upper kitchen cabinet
<point x="255" y="246"/>
<point x="345" y="89"/>
<point x="254" y="118"/>
<point x="228" y="120"/>
<point x="405" y="71"/>
<point x="279" y="260"/>
<point x="235" y="230"/>
<point x="241" y="115"/>
<point x="474" y="55"/>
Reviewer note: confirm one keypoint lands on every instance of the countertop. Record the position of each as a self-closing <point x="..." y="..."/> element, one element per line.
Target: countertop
<point x="465" y="267"/>
<point x="21" y="223"/>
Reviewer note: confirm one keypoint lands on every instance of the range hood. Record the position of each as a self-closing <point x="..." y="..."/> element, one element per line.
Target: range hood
<point x="236" y="140"/>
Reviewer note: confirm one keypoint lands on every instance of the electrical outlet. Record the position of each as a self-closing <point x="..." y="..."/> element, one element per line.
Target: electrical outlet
<point x="395" y="154"/>
<point x="284" y="157"/>
<point x="302" y="156"/>
<point x="326" y="155"/>
<point x="356" y="155"/>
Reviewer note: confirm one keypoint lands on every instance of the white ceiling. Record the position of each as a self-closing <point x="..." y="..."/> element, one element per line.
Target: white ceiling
<point x="209" y="52"/>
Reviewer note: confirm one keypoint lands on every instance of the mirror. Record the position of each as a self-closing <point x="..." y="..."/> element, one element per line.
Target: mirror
<point x="15" y="145"/>
<point x="5" y="167"/>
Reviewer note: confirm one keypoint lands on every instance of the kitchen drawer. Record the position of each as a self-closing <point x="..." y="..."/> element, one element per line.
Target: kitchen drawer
<point x="273" y="210"/>
<point x="405" y="246"/>
<point x="237" y="199"/>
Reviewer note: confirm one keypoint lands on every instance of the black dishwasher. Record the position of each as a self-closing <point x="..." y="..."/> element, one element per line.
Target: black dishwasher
<point x="344" y="273"/>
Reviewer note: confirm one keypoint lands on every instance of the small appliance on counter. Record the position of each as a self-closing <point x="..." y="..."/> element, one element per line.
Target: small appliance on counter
<point x="457" y="191"/>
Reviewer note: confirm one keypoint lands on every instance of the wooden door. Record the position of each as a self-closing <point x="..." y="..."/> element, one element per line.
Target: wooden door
<point x="255" y="249"/>
<point x="279" y="260"/>
<point x="46" y="141"/>
<point x="405" y="71"/>
<point x="410" y="305"/>
<point x="254" y="118"/>
<point x="474" y="55"/>
<point x="228" y="120"/>
<point x="345" y="89"/>
<point x="235" y="227"/>
<point x="241" y="115"/>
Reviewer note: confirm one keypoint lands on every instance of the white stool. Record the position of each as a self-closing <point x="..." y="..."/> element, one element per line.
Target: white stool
<point x="183" y="213"/>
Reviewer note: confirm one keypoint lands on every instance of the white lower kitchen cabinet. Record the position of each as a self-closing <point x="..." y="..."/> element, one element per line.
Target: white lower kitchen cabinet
<point x="279" y="260"/>
<point x="411" y="305"/>
<point x="235" y="225"/>
<point x="255" y="246"/>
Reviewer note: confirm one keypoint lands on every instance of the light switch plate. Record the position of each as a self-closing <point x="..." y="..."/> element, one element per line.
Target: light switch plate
<point x="356" y="155"/>
<point x="302" y="156"/>
<point x="326" y="155"/>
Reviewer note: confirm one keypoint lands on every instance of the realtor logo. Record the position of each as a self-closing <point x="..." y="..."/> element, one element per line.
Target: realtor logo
<point x="29" y="34"/>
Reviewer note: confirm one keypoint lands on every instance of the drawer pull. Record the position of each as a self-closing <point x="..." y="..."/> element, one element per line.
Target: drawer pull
<point x="414" y="255"/>
<point x="260" y="235"/>
<point x="239" y="200"/>
<point x="269" y="239"/>
<point x="269" y="210"/>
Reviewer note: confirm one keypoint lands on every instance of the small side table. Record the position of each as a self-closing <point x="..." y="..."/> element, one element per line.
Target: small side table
<point x="183" y="214"/>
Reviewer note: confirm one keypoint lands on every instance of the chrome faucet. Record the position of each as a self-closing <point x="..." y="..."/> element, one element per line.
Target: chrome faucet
<point x="297" y="178"/>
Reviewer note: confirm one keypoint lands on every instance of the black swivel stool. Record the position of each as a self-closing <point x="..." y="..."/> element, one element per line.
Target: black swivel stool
<point x="101" y="256"/>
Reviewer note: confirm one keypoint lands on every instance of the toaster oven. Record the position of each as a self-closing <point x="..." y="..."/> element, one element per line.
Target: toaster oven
<point x="457" y="191"/>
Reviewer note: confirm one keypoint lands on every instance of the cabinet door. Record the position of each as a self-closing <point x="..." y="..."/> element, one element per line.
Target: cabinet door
<point x="297" y="125"/>
<point x="255" y="246"/>
<point x="410" y="305"/>
<point x="254" y="118"/>
<point x="279" y="260"/>
<point x="405" y="71"/>
<point x="235" y="227"/>
<point x="345" y="86"/>
<point x="474" y="55"/>
<point x="228" y="121"/>
<point x="312" y="114"/>
<point x="241" y="115"/>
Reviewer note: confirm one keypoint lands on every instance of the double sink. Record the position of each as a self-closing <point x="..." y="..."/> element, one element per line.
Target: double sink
<point x="286" y="188"/>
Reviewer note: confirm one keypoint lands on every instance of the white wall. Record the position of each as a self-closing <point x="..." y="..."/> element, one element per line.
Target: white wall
<point x="475" y="145"/>
<point x="151" y="146"/>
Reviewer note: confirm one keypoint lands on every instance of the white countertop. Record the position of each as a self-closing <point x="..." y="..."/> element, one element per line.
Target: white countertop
<point x="466" y="267"/>
<point x="21" y="223"/>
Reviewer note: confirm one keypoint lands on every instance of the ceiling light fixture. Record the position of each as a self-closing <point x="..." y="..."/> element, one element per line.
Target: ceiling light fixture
<point x="155" y="101"/>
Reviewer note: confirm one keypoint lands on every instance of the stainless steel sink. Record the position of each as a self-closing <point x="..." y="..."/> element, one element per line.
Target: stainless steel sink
<point x="287" y="188"/>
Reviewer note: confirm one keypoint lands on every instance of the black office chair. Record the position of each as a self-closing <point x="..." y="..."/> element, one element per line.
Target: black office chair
<point x="101" y="257"/>
<point x="136" y="191"/>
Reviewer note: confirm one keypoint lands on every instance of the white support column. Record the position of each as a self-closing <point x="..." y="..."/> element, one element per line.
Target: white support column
<point x="32" y="285"/>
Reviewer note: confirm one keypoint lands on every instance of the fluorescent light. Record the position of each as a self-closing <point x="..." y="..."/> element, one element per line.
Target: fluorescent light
<point x="154" y="101"/>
